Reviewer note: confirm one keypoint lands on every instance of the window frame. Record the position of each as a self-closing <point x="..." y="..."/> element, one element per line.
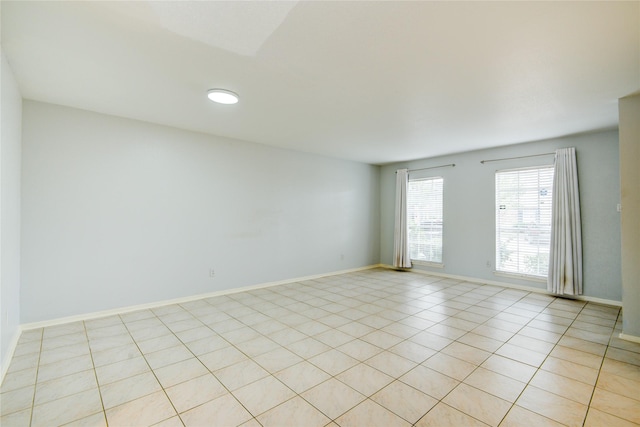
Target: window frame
<point x="427" y="262"/>
<point x="521" y="225"/>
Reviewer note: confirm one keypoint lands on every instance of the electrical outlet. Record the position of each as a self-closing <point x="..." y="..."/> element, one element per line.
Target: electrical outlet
<point x="489" y="264"/>
<point x="212" y="272"/>
<point x="619" y="207"/>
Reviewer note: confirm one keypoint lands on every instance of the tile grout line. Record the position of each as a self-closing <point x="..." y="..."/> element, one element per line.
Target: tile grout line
<point x="95" y="374"/>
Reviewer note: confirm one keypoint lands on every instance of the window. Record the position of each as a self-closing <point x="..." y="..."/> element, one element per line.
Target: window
<point x="523" y="220"/>
<point x="424" y="218"/>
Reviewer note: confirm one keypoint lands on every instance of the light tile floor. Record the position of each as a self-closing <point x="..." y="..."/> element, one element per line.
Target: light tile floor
<point x="372" y="348"/>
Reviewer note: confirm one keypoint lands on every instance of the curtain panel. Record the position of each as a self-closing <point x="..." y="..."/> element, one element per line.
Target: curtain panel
<point x="401" y="257"/>
<point x="565" y="258"/>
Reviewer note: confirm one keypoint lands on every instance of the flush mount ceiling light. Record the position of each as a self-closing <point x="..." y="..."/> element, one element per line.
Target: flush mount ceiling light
<point x="222" y="96"/>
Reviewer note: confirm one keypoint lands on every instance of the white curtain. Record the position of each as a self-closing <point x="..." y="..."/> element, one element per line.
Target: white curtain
<point x="401" y="257"/>
<point x="565" y="258"/>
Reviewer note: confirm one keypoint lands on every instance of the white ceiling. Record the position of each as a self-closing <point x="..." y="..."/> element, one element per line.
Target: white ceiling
<point x="375" y="82"/>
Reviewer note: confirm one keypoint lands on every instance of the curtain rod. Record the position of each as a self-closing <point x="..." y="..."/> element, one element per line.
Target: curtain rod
<point x="432" y="167"/>
<point x="511" y="158"/>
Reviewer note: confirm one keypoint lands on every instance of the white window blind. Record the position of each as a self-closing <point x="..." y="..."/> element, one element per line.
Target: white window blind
<point x="424" y="219"/>
<point x="523" y="220"/>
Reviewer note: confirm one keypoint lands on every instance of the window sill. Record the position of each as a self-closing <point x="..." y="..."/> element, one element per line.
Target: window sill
<point x="530" y="278"/>
<point x="427" y="263"/>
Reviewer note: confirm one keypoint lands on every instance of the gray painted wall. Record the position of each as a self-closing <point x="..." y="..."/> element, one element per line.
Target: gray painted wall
<point x="469" y="219"/>
<point x="630" y="183"/>
<point x="118" y="212"/>
<point x="11" y="117"/>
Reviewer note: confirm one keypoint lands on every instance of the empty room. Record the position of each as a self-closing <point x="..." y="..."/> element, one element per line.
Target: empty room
<point x="320" y="213"/>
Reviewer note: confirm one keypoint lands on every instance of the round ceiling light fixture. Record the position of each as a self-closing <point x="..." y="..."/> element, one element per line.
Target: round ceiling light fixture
<point x="222" y="96"/>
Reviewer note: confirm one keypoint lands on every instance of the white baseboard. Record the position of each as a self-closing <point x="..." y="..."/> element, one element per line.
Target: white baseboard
<point x="128" y="309"/>
<point x="509" y="285"/>
<point x="10" y="351"/>
<point x="631" y="338"/>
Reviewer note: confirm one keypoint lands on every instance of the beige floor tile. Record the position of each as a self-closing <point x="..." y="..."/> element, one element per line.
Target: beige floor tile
<point x="116" y="354"/>
<point x="333" y="398"/>
<point x="547" y="326"/>
<point x="158" y="343"/>
<point x="168" y="356"/>
<point x="242" y="373"/>
<point x="359" y="350"/>
<point x="95" y="420"/>
<point x="496" y="384"/>
<point x="450" y="366"/>
<point x="382" y="339"/>
<point x="289" y="335"/>
<point x="262" y="395"/>
<point x="27" y="361"/>
<point x="18" y="419"/>
<point x="539" y="334"/>
<point x="405" y="401"/>
<point x="177" y="373"/>
<point x="576" y="356"/>
<point x="623" y="356"/>
<point x="107" y="331"/>
<point x="447" y="331"/>
<point x="257" y="346"/>
<point x="599" y="338"/>
<point x="415" y="352"/>
<point x="616" y="404"/>
<point x="60" y="369"/>
<point x="391" y="364"/>
<point x="308" y="347"/>
<point x="207" y="345"/>
<point x="364" y="379"/>
<point x="443" y="415"/>
<point x="278" y="359"/>
<point x="401" y="330"/>
<point x="128" y="389"/>
<point x="520" y="417"/>
<point x="624" y="344"/>
<point x="596" y="418"/>
<point x="294" y="412"/>
<point x="477" y="403"/>
<point x="466" y="352"/>
<point x="429" y="381"/>
<point x="333" y="362"/>
<point x="223" y="411"/>
<point x="105" y="343"/>
<point x="197" y="391"/>
<point x="67" y="409"/>
<point x="533" y="344"/>
<point x="64" y="340"/>
<point x="563" y="386"/>
<point x="430" y="340"/>
<point x="582" y="345"/>
<point x="521" y="354"/>
<point x="16" y="400"/>
<point x="621" y="369"/>
<point x="120" y="370"/>
<point x="356" y="329"/>
<point x="552" y="406"/>
<point x="481" y="342"/>
<point x="222" y="358"/>
<point x="370" y="414"/>
<point x="170" y="422"/>
<point x="63" y="353"/>
<point x="65" y="386"/>
<point x="570" y="370"/>
<point x="493" y="333"/>
<point x="302" y="376"/>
